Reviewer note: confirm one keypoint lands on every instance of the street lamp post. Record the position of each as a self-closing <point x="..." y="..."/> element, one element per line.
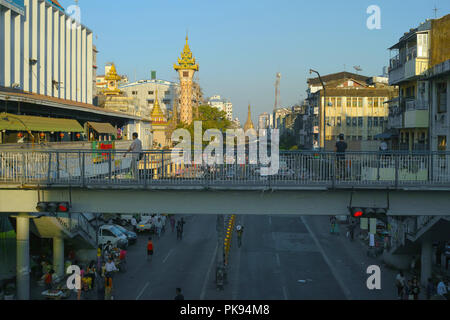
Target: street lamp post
<point x="322" y="123"/>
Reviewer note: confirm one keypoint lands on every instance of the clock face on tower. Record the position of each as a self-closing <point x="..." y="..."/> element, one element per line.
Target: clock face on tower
<point x="185" y="74"/>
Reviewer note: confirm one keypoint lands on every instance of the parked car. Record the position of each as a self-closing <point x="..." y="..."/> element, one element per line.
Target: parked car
<point x="131" y="236"/>
<point x="145" y="225"/>
<point x="109" y="232"/>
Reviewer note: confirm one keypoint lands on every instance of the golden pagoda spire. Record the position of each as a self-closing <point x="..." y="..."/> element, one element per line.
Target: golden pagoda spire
<point x="249" y="124"/>
<point x="157" y="114"/>
<point x="187" y="61"/>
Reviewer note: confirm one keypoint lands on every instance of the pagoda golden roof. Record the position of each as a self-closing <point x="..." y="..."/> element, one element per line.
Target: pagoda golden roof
<point x="249" y="124"/>
<point x="187" y="61"/>
<point x="157" y="115"/>
<point x="112" y="74"/>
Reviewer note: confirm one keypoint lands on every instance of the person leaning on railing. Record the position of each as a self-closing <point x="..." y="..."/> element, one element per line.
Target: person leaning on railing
<point x="340" y="148"/>
<point x="136" y="149"/>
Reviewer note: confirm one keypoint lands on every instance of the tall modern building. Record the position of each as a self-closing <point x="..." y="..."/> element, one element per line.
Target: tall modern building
<point x="45" y="51"/>
<point x="223" y="105"/>
<point x="186" y="69"/>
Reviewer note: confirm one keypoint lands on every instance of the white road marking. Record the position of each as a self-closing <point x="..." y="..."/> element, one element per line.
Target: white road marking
<point x="202" y="294"/>
<point x="165" y="259"/>
<point x="142" y="291"/>
<point x="327" y="260"/>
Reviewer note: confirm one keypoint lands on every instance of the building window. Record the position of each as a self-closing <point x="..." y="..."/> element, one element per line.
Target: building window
<point x="150" y="101"/>
<point x="185" y="74"/>
<point x="349" y="121"/>
<point x="134" y="93"/>
<point x="381" y="122"/>
<point x="360" y="138"/>
<point x="360" y="122"/>
<point x="369" y="122"/>
<point x="349" y="102"/>
<point x="442" y="97"/>
<point x="339" y="102"/>
<point x="375" y="102"/>
<point x="339" y="121"/>
<point x="355" y="102"/>
<point x="354" y="121"/>
<point x="375" y="121"/>
<point x="151" y="93"/>
<point x="370" y="102"/>
<point x="333" y="102"/>
<point x="360" y="102"/>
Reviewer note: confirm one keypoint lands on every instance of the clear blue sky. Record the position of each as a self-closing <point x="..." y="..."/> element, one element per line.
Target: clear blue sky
<point x="240" y="45"/>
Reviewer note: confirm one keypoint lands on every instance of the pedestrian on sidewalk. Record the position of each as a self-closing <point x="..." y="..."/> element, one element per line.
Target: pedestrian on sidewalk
<point x="442" y="289"/>
<point x="408" y="291"/>
<point x="431" y="290"/>
<point x="400" y="284"/>
<point x="179" y="296"/>
<point x="108" y="287"/>
<point x="415" y="288"/>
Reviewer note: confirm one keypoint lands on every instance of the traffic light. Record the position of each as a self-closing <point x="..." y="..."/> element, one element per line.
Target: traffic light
<point x="361" y="212"/>
<point x="53" y="207"/>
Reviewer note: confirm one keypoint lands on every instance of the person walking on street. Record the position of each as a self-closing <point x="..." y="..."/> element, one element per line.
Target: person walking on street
<point x="340" y="148"/>
<point x="136" y="149"/>
<point x="108" y="287"/>
<point x="179" y="296"/>
<point x="400" y="284"/>
<point x="172" y="223"/>
<point x="240" y="231"/>
<point x="149" y="248"/>
<point x="332" y="224"/>
<point x="415" y="288"/>
<point x="431" y="290"/>
<point x="442" y="289"/>
<point x="180" y="227"/>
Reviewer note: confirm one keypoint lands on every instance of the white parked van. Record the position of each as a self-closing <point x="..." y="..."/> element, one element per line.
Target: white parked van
<point x="111" y="233"/>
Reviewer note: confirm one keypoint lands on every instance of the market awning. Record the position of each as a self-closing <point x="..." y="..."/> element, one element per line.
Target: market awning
<point x="386" y="135"/>
<point x="39" y="124"/>
<point x="103" y="128"/>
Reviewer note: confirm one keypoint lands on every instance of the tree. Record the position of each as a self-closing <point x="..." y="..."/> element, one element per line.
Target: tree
<point x="288" y="142"/>
<point x="211" y="118"/>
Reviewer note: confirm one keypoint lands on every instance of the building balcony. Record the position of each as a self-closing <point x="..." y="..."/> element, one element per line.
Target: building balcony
<point x="403" y="71"/>
<point x="416" y="119"/>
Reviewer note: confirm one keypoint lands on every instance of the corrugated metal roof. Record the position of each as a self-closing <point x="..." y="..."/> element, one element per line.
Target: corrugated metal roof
<point x="101" y="127"/>
<point x="39" y="124"/>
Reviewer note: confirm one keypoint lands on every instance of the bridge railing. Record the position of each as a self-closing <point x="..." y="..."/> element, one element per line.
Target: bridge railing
<point x="156" y="168"/>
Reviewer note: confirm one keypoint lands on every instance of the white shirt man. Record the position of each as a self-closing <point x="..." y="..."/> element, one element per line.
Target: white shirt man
<point x="136" y="148"/>
<point x="441" y="289"/>
<point x="110" y="266"/>
<point x="383" y="146"/>
<point x="133" y="222"/>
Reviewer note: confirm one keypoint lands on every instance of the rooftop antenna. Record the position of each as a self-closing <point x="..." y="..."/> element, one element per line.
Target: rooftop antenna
<point x="435" y="11"/>
<point x="357" y="68"/>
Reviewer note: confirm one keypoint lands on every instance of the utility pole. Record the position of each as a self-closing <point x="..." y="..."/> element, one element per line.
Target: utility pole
<point x="322" y="123"/>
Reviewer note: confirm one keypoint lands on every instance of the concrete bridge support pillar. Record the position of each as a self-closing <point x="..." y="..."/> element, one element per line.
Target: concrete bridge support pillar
<point x="58" y="256"/>
<point x="23" y="257"/>
<point x="426" y="261"/>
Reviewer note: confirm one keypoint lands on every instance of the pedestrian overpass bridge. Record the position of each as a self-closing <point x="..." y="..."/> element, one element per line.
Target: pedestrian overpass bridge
<point x="308" y="183"/>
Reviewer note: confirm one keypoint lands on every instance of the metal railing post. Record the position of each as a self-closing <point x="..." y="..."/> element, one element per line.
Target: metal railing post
<point x="333" y="172"/>
<point x="49" y="166"/>
<point x="23" y="168"/>
<point x="110" y="167"/>
<point x="396" y="169"/>
<point x="162" y="165"/>
<point x="57" y="166"/>
<point x="145" y="169"/>
<point x="431" y="166"/>
<point x="83" y="168"/>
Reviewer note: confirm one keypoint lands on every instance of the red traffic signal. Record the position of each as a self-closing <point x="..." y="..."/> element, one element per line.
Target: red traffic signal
<point x="368" y="212"/>
<point x="53" y="207"/>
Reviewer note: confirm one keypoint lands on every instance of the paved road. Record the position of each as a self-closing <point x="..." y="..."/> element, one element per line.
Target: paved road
<point x="277" y="252"/>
